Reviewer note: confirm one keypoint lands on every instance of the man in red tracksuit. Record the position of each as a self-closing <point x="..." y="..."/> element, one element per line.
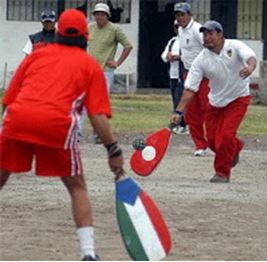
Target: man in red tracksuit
<point x="227" y="64"/>
<point x="191" y="44"/>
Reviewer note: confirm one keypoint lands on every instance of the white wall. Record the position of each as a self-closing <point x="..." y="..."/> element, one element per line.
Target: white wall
<point x="257" y="47"/>
<point x="14" y="35"/>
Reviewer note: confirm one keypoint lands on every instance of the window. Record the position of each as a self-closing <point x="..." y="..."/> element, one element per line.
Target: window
<point x="249" y="19"/>
<point x="28" y="10"/>
<point x="120" y="10"/>
<point x="201" y="10"/>
<point x="73" y="3"/>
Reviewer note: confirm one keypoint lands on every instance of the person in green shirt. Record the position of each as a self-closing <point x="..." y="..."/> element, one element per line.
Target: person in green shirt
<point x="104" y="40"/>
<point x="103" y="43"/>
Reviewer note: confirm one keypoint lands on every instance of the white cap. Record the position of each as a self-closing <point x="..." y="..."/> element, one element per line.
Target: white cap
<point x="101" y="7"/>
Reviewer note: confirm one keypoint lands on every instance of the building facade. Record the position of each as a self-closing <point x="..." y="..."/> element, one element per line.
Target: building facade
<point x="147" y="23"/>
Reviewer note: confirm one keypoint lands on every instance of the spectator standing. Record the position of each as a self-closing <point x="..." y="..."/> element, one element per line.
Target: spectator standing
<point x="191" y="44"/>
<point x="104" y="40"/>
<point x="44" y="37"/>
<point x="171" y="55"/>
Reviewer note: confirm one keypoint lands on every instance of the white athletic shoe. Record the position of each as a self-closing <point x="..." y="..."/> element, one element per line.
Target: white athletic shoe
<point x="200" y="152"/>
<point x="176" y="130"/>
<point x="183" y="130"/>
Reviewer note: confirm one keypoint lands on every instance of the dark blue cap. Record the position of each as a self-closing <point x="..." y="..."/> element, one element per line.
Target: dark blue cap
<point x="211" y="25"/>
<point x="48" y="16"/>
<point x="182" y="7"/>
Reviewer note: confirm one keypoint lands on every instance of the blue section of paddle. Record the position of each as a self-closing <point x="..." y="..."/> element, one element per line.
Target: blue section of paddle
<point x="127" y="190"/>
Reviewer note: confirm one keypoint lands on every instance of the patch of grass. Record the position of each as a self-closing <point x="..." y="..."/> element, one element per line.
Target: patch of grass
<point x="255" y="122"/>
<point x="140" y="113"/>
<point x="147" y="113"/>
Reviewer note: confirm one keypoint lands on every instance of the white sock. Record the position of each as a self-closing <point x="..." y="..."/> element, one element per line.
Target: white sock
<point x="87" y="242"/>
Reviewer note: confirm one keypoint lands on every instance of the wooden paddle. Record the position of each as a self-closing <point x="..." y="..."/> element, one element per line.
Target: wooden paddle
<point x="149" y="153"/>
<point x="143" y="230"/>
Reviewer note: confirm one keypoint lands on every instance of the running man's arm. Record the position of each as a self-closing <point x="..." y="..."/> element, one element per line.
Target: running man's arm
<point x="248" y="70"/>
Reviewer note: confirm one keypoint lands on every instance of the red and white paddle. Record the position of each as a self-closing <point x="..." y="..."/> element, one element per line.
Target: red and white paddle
<point x="149" y="152"/>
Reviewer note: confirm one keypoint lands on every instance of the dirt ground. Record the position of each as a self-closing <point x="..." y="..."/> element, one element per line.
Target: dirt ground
<point x="207" y="221"/>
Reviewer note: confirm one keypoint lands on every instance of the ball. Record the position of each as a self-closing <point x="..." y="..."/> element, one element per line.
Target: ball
<point x="139" y="144"/>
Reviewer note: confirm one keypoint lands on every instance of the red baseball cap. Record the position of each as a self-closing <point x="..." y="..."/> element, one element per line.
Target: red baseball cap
<point x="73" y="23"/>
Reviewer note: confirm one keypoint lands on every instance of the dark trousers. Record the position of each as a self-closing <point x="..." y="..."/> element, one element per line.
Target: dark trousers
<point x="177" y="88"/>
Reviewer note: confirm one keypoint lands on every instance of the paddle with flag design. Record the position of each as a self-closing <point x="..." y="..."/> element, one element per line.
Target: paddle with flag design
<point x="147" y="155"/>
<point x="143" y="230"/>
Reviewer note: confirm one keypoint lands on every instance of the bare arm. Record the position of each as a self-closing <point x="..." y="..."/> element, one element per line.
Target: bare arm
<point x="101" y="126"/>
<point x="125" y="53"/>
<point x="248" y="70"/>
<point x="115" y="159"/>
<point x="187" y="97"/>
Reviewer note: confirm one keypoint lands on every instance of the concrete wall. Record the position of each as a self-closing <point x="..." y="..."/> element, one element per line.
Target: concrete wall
<point x="14" y="35"/>
<point x="257" y="47"/>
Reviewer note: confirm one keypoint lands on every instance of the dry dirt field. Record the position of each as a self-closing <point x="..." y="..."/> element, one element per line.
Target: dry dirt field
<point x="206" y="221"/>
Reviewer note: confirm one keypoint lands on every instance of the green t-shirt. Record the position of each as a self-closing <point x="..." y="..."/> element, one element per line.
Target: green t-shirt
<point x="104" y="41"/>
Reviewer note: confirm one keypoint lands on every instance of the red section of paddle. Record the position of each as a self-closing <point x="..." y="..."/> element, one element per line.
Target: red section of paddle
<point x="157" y="221"/>
<point x="160" y="141"/>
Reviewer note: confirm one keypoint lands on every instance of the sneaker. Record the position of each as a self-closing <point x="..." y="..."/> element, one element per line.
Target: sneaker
<point x="183" y="130"/>
<point x="200" y="152"/>
<point x="219" y="179"/>
<point x="176" y="130"/>
<point x="90" y="258"/>
<point x="235" y="160"/>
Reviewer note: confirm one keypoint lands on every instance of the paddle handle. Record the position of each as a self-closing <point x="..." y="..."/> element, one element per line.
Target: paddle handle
<point x="120" y="175"/>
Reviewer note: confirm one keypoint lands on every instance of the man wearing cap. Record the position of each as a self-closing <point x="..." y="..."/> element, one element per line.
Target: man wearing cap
<point x="44" y="37"/>
<point x="227" y="64"/>
<point x="104" y="39"/>
<point x="191" y="44"/>
<point x="171" y="55"/>
<point x="43" y="104"/>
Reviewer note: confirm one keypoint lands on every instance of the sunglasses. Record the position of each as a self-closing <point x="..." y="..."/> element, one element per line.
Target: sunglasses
<point x="43" y="17"/>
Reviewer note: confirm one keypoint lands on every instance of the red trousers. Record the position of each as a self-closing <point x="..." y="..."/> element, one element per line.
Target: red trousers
<point x="222" y="125"/>
<point x="195" y="115"/>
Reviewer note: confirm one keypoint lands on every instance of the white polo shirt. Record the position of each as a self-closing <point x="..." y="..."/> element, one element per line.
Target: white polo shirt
<point x="226" y="84"/>
<point x="191" y="42"/>
<point x="174" y="47"/>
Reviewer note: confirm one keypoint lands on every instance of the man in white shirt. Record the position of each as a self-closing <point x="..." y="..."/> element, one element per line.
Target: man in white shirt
<point x="191" y="44"/>
<point x="171" y="55"/>
<point x="228" y="65"/>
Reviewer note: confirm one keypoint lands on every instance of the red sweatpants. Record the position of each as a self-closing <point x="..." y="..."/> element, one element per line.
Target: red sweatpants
<point x="195" y="115"/>
<point x="222" y="125"/>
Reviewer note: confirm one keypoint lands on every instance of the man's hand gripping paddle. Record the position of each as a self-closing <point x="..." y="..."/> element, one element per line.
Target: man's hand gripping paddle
<point x="142" y="227"/>
<point x="148" y="153"/>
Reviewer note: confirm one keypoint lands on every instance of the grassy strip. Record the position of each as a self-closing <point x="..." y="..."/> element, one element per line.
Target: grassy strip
<point x="147" y="113"/>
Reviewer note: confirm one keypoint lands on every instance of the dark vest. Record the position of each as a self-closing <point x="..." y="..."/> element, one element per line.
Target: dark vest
<point x="42" y="38"/>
